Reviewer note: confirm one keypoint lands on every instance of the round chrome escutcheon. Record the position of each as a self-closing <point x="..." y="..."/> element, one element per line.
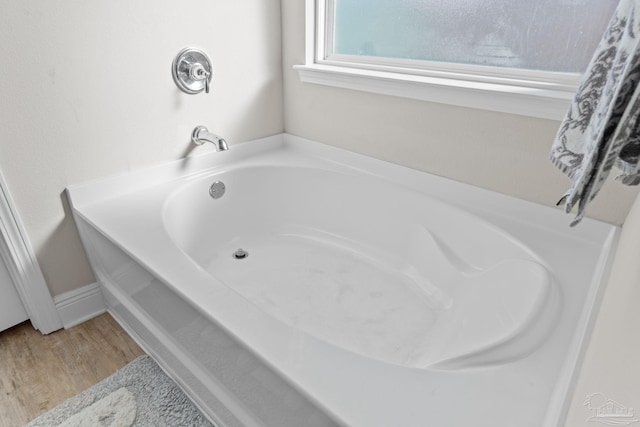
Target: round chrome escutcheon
<point x="217" y="189"/>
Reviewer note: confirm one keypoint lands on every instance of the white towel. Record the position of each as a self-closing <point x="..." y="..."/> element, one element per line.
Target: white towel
<point x="602" y="127"/>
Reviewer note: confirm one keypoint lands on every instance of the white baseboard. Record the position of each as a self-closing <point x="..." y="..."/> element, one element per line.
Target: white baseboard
<point x="80" y="305"/>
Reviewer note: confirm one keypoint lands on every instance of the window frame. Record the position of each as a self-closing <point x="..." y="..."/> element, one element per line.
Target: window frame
<point x="539" y="94"/>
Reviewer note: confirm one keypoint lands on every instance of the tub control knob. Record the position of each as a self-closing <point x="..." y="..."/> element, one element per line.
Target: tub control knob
<point x="192" y="71"/>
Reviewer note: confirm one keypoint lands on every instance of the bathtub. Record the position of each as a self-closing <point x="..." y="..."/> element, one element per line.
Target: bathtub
<point x="289" y="283"/>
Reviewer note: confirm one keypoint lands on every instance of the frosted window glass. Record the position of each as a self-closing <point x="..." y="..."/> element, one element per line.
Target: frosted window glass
<point x="546" y="35"/>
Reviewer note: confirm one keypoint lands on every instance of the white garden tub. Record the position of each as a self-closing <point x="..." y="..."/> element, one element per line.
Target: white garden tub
<point x="372" y="295"/>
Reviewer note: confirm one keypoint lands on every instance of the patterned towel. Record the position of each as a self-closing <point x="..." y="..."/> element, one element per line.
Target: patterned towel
<point x="602" y="127"/>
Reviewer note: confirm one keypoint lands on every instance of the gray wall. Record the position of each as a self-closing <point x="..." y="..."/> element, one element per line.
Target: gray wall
<point x="86" y="91"/>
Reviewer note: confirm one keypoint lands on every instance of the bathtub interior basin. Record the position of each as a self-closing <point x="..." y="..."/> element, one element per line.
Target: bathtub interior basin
<point x="433" y="287"/>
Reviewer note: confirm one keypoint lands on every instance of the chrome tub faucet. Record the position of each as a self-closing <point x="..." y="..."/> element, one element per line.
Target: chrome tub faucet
<point x="201" y="134"/>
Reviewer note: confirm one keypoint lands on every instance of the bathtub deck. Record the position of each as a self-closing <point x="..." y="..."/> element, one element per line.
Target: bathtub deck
<point x="152" y="236"/>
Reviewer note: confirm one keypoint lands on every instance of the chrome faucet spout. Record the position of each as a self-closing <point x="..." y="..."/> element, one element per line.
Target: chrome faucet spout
<point x="201" y="134"/>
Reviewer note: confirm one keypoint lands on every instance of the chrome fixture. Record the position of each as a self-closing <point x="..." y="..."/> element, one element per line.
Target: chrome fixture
<point x="201" y="134"/>
<point x="192" y="71"/>
<point x="217" y="189"/>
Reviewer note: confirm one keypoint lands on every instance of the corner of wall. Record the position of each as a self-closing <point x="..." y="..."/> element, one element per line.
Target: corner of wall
<point x="610" y="367"/>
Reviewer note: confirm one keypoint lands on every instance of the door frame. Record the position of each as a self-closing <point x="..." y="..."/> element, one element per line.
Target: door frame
<point x="20" y="259"/>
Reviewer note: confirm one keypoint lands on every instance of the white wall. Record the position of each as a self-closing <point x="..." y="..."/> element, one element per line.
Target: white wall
<point x="502" y="152"/>
<point x="86" y="91"/>
<point x="612" y="362"/>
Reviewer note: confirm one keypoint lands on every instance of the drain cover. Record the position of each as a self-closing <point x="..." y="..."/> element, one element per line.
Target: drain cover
<point x="240" y="254"/>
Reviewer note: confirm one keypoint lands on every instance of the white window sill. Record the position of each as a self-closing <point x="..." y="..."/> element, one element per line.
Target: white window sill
<point x="546" y="103"/>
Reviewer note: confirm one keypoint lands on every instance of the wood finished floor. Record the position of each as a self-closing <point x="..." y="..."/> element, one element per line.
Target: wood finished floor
<point x="38" y="372"/>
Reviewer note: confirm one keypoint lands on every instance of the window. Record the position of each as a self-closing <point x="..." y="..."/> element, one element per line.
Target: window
<point x="517" y="56"/>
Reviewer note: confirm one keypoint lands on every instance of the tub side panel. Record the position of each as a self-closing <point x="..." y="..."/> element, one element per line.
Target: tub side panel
<point x="228" y="382"/>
